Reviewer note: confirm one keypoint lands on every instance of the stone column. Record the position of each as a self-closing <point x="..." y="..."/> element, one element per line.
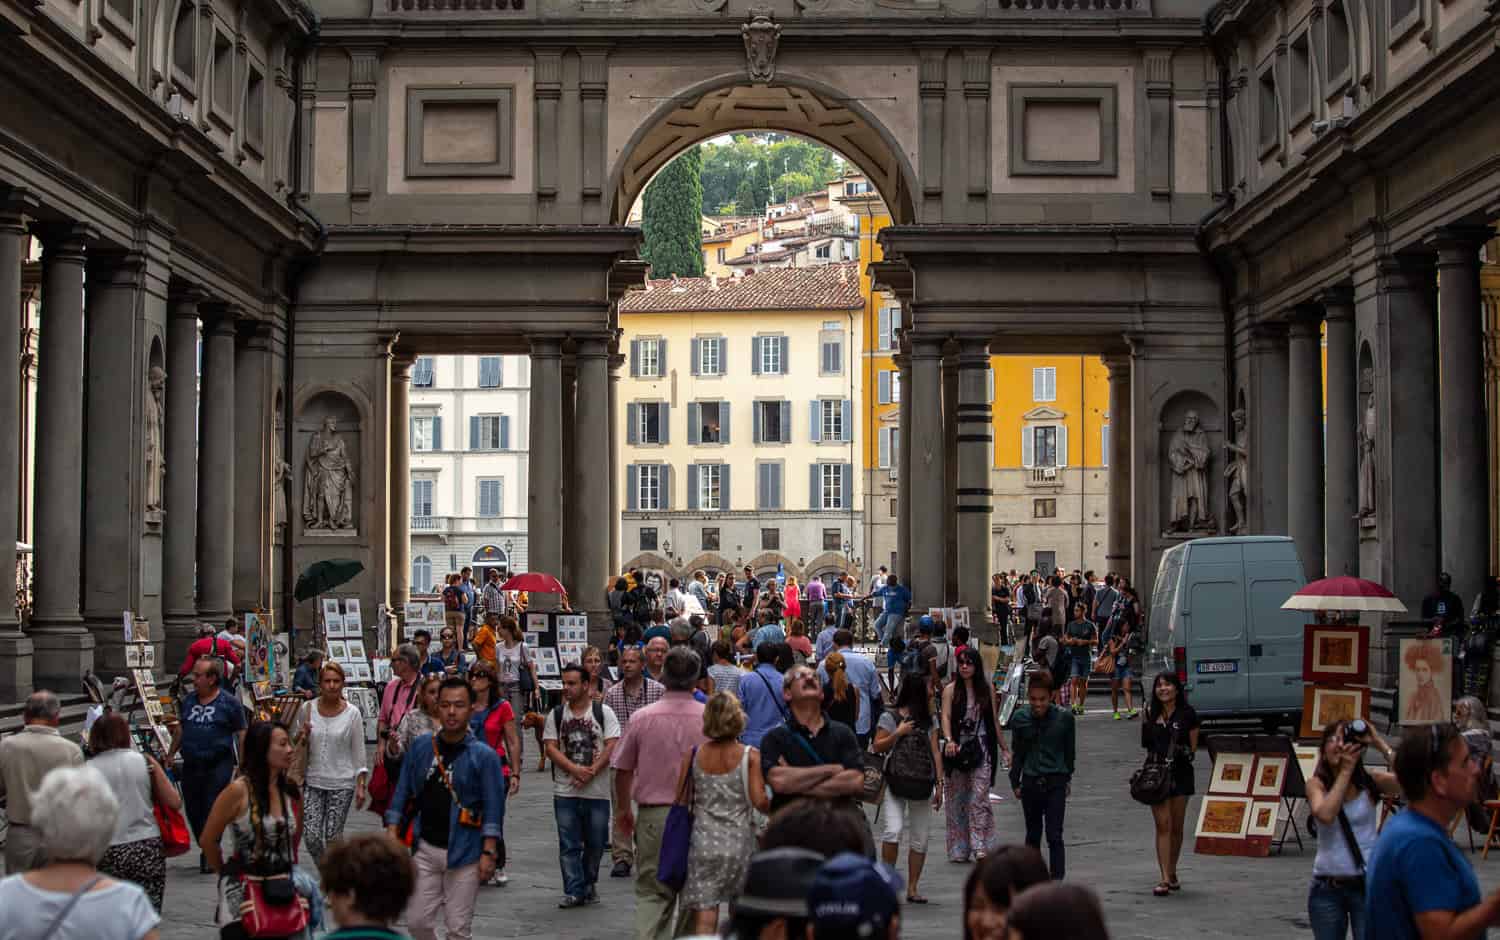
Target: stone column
<point x="571" y="534"/>
<point x="1117" y="538"/>
<point x="591" y="469"/>
<point x="1464" y="495"/>
<point x="926" y="503"/>
<point x="400" y="525"/>
<point x="1340" y="419"/>
<point x="903" y="470"/>
<point x="180" y="528"/>
<point x="974" y="499"/>
<point x="254" y="391"/>
<point x="616" y="361"/>
<point x="1265" y="494"/>
<point x="15" y="647"/>
<point x="216" y="470"/>
<point x="1304" y="447"/>
<point x="950" y="472"/>
<point x="64" y="649"/>
<point x="544" y="472"/>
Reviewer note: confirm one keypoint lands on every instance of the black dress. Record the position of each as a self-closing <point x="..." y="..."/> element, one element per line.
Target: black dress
<point x="1156" y="738"/>
<point x="846" y="712"/>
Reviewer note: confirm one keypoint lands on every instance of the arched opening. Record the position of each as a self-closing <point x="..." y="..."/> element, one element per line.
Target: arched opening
<point x="421" y="575"/>
<point x="489" y="558"/>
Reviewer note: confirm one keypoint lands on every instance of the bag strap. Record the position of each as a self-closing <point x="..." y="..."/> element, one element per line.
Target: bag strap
<point x="1359" y="856"/>
<point x="686" y="791"/>
<point x="67" y="908"/>
<point x="779" y="707"/>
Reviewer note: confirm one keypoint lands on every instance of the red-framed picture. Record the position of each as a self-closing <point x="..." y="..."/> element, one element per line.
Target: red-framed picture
<point x="1337" y="653"/>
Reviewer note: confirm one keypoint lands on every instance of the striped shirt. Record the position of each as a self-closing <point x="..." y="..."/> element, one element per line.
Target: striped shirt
<point x="726" y="678"/>
<point x="624" y="705"/>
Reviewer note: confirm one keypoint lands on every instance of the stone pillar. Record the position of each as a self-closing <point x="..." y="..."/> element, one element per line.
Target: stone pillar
<point x="926" y="503"/>
<point x="1340" y="419"/>
<point x="591" y="469"/>
<point x="571" y="534"/>
<point x="180" y="530"/>
<point x="544" y="472"/>
<point x="15" y="647"/>
<point x="1304" y="447"/>
<point x="616" y="361"/>
<point x="216" y="470"/>
<point x="64" y="649"/>
<point x="1117" y="539"/>
<point x="1464" y="495"/>
<point x="974" y="502"/>
<point x="400" y="525"/>
<point x="1266" y="408"/>
<point x="949" y="521"/>
<point x="903" y="470"/>
<point x="254" y="391"/>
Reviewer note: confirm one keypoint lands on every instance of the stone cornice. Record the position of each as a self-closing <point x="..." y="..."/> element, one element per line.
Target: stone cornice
<point x="487" y="239"/>
<point x="905" y="240"/>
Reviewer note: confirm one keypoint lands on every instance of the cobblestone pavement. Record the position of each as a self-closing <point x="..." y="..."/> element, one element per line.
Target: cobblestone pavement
<point x="1109" y="849"/>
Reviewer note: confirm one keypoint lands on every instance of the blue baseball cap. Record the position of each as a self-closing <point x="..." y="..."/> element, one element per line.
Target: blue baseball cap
<point x="925" y="625"/>
<point x="854" y="896"/>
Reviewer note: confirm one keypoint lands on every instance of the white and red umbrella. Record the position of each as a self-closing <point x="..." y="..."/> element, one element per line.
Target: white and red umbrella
<point x="1345" y="593"/>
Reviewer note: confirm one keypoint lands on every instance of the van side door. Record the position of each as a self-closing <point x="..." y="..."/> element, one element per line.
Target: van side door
<point x="1275" y="635"/>
<point x="1214" y="594"/>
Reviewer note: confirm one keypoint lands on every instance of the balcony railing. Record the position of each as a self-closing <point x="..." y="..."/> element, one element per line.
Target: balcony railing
<point x="1044" y="476"/>
<point x="466" y="525"/>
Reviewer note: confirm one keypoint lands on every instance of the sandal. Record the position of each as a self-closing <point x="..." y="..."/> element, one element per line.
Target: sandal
<point x="915" y="899"/>
<point x="1162" y="889"/>
<point x="1174" y="885"/>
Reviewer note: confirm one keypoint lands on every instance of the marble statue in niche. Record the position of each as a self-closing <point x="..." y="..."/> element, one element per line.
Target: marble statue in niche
<point x="1188" y="455"/>
<point x="281" y="474"/>
<point x="156" y="384"/>
<point x="328" y="482"/>
<point x="1238" y="473"/>
<point x="1365" y="431"/>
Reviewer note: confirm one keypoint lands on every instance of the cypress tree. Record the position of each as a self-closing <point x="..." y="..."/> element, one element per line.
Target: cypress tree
<point x="760" y="187"/>
<point x="671" y="217"/>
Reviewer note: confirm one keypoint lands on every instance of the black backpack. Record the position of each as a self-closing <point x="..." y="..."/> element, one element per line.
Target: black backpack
<point x="557" y="714"/>
<point x="909" y="770"/>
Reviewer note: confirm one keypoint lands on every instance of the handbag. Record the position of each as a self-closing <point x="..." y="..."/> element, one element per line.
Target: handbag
<point x="176" y="838"/>
<point x="301" y="720"/>
<point x="1152" y="784"/>
<point x="271" y="906"/>
<point x="970" y="751"/>
<point x="677" y="834"/>
<point x="1104" y="664"/>
<point x="525" y="681"/>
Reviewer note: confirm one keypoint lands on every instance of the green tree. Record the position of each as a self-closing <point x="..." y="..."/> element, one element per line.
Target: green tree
<point x="671" y="218"/>
<point x="760" y="187"/>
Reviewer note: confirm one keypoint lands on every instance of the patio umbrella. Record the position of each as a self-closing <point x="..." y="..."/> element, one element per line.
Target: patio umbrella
<point x="1345" y="593"/>
<point x="323" y="576"/>
<point x="534" y="582"/>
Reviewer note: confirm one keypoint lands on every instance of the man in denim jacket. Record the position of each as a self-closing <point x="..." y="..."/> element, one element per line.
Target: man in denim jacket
<point x="452" y="794"/>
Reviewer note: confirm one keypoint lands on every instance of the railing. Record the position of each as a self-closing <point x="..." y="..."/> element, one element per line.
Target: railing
<point x="459" y="525"/>
<point x="1044" y="476"/>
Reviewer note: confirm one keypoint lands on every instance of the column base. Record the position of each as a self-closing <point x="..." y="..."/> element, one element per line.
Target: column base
<point x="109" y="648"/>
<point x="16" y="652"/>
<point x="61" y="659"/>
<point x="177" y="633"/>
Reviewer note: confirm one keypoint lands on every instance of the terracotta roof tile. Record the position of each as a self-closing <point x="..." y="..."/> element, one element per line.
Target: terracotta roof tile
<point x="826" y="287"/>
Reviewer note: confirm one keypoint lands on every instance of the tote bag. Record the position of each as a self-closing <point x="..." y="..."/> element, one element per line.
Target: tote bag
<point x="677" y="834"/>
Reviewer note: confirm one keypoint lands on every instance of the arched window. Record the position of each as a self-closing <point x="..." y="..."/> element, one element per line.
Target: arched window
<point x="421" y="574"/>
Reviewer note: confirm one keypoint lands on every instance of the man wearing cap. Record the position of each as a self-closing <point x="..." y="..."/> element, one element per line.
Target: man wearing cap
<point x="810" y="756"/>
<point x="773" y="902"/>
<point x="852" y="896"/>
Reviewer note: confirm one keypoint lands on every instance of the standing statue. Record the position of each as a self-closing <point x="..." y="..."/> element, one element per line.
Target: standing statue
<point x="1365" y="432"/>
<point x="1238" y="473"/>
<point x="327" y="482"/>
<point x="281" y="473"/>
<point x="156" y="383"/>
<point x="1188" y="455"/>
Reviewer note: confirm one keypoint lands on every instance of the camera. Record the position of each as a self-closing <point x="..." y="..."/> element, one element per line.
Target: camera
<point x="1355" y="731"/>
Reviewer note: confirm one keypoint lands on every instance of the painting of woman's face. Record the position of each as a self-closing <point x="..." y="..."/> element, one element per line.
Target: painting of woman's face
<point x="1424" y="672"/>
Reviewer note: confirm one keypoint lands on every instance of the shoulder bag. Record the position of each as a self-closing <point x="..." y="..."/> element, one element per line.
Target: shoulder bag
<point x="1354" y="850"/>
<point x="677" y="834"/>
<point x="525" y="681"/>
<point x="1152" y="784"/>
<point x="271" y="906"/>
<point x="874" y="789"/>
<point x="176" y="839"/>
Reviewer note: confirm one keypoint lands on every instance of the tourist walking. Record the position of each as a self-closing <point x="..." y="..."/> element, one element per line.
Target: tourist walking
<point x="1115" y="642"/>
<point x="593" y="664"/>
<point x="727" y="784"/>
<point x="367" y="881"/>
<point x="25" y="758"/>
<point x="908" y="736"/>
<point x="400" y="695"/>
<point x="1044" y="752"/>
<point x="455" y="617"/>
<point x="993" y="885"/>
<point x="646" y="763"/>
<point x="494" y="723"/>
<point x="75" y="815"/>
<point x="580" y="736"/>
<point x="1080" y="637"/>
<point x="486" y="638"/>
<point x="633" y="692"/>
<point x="261" y="810"/>
<point x="971" y="754"/>
<point x="494" y="598"/>
<point x="1056" y="601"/>
<point x="808" y="755"/>
<point x="760" y="694"/>
<point x="336" y="769"/>
<point x="516" y="672"/>
<point x="210" y="731"/>
<point x="724" y="674"/>
<point x="138" y="782"/>
<point x="815" y="605"/>
<point x="452" y="795"/>
<point x="1000" y="607"/>
<point x="450" y="659"/>
<point x="423" y="719"/>
<point x="840" y="697"/>
<point x="1170" y="732"/>
<point x="1344" y="797"/>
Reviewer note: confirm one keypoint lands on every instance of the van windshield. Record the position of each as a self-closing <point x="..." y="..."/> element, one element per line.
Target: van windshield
<point x="1164" y="591"/>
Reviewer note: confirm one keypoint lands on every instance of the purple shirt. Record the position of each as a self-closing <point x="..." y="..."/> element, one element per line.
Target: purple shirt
<point x="658" y="738"/>
<point x="814" y="591"/>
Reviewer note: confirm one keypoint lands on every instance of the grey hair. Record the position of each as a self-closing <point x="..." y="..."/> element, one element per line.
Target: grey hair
<point x="682" y="630"/>
<point x="410" y="653"/>
<point x="215" y="666"/>
<point x="41" y="705"/>
<point x="680" y="672"/>
<point x="1476" y="715"/>
<point x="75" y="811"/>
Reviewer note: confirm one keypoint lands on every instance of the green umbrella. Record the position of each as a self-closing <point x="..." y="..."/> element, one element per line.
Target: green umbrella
<point x="323" y="576"/>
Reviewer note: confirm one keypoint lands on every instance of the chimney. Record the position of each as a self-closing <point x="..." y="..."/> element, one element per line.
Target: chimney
<point x="713" y="282"/>
<point x="843" y="274"/>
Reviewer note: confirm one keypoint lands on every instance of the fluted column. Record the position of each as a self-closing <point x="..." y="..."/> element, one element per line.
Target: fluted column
<point x="1464" y="494"/>
<point x="974" y="499"/>
<point x="544" y="472"/>
<point x="216" y="470"/>
<point x="63" y="648"/>
<point x="180" y="527"/>
<point x="400" y="522"/>
<point x="616" y="361"/>
<point x="903" y="469"/>
<point x="1304" y="448"/>
<point x="589" y="512"/>
<point x="15" y="648"/>
<point x="1117" y="537"/>
<point x="926" y="502"/>
<point x="1341" y="470"/>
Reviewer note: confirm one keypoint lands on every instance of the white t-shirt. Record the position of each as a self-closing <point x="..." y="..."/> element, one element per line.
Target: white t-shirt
<point x="581" y="740"/>
<point x="509" y="661"/>
<point x="130" y="779"/>
<point x="120" y="912"/>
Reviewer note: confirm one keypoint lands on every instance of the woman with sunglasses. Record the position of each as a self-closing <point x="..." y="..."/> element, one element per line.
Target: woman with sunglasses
<point x="1342" y="786"/>
<point x="493" y="721"/>
<point x="448" y="661"/>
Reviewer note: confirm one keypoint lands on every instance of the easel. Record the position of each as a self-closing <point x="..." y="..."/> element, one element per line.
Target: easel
<point x="1293" y="785"/>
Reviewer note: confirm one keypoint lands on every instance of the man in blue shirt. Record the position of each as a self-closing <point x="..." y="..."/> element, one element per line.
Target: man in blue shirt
<point x="897" y="598"/>
<point x="210" y="731"/>
<point x="1419" y="886"/>
<point x="863" y="676"/>
<point x="760" y="696"/>
<point x="770" y="632"/>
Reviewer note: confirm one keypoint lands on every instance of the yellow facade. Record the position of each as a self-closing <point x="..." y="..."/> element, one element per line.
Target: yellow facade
<point x="1077" y="387"/>
<point x="723" y="246"/>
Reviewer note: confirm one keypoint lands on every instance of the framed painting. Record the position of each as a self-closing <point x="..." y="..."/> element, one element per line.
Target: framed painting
<point x="436" y="615"/>
<point x="1425" y="688"/>
<point x="357" y="650"/>
<point x="1270" y="776"/>
<point x="337" y="650"/>
<point x="360" y="672"/>
<point x="1224" y="817"/>
<point x="1307" y="759"/>
<point x="1336" y="653"/>
<point x="538" y="622"/>
<point x="416" y="615"/>
<point x="1322" y="706"/>
<point x="330" y="607"/>
<point x="1231" y="773"/>
<point x="382" y="670"/>
<point x="333" y="627"/>
<point x="1263" y="814"/>
<point x="547" y="663"/>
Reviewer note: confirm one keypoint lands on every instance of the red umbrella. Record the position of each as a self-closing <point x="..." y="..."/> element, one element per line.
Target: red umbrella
<point x="534" y="582"/>
<point x="1345" y="593"/>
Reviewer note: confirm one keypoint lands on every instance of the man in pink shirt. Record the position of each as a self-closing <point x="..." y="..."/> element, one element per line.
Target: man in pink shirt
<point x="646" y="765"/>
<point x="401" y="692"/>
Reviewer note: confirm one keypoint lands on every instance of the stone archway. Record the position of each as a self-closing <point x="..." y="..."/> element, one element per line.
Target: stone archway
<point x="710" y="562"/>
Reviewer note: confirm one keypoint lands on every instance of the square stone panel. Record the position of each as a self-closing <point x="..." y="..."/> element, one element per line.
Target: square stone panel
<point x="460" y="131"/>
<point x="1063" y="130"/>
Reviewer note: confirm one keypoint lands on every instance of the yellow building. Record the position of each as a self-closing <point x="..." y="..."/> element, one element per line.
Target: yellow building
<point x="728" y="242"/>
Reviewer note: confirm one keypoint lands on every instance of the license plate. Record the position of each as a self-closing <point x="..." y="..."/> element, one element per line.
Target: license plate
<point x="1218" y="665"/>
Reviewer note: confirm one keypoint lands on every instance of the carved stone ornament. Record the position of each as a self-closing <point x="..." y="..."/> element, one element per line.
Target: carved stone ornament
<point x="155" y="446"/>
<point x="328" y="483"/>
<point x="1366" y="431"/>
<point x="761" y="38"/>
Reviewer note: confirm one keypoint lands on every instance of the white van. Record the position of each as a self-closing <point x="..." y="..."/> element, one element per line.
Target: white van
<point x="1216" y="620"/>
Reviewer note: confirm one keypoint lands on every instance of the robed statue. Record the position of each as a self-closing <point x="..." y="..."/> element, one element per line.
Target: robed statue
<point x="156" y="384"/>
<point x="1188" y="456"/>
<point x="327" y="482"/>
<point x="1238" y="473"/>
<point x="1366" y="432"/>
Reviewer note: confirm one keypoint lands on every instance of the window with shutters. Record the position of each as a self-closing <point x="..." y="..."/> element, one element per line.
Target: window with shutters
<point x="491" y="432"/>
<point x="888" y="443"/>
<point x="421" y="574"/>
<point x="857" y="188"/>
<point x="710" y="415"/>
<point x="831" y="418"/>
<point x="1043" y="445"/>
<point x="1044" y="383"/>
<point x="710" y="539"/>
<point x="887" y="322"/>
<point x="824" y="252"/>
<point x="1044" y="508"/>
<point x="421" y="501"/>
<point x="831" y="350"/>
<point x="720" y="254"/>
<point x="421" y="432"/>
<point x="708" y="356"/>
<point x="770" y="355"/>
<point x="648" y="538"/>
<point x="772" y="429"/>
<point x="489" y="371"/>
<point x="489" y="497"/>
<point x="648" y="479"/>
<point x="422" y="373"/>
<point x="650" y="365"/>
<point x="768" y="488"/>
<point x="649" y="431"/>
<point x="710" y="493"/>
<point x="833" y="540"/>
<point x="770" y="540"/>
<point x="831" y="485"/>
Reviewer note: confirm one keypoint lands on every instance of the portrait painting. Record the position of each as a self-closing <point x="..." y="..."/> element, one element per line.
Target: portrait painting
<point x="1231" y="773"/>
<point x="1263" y="815"/>
<point x="1224" y="817"/>
<point x="1270" y="776"/>
<point x="1425" y="687"/>
<point x="1338" y="653"/>
<point x="1322" y="706"/>
<point x="257" y="648"/>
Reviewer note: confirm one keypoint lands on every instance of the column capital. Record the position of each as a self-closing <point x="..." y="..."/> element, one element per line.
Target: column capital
<point x="401" y="365"/>
<point x="1337" y="301"/>
<point x="65" y="239"/>
<point x="546" y="347"/>
<point x="219" y="319"/>
<point x="590" y="347"/>
<point x="616" y="363"/>
<point x="16" y="204"/>
<point x="1268" y="337"/>
<point x="185" y="300"/>
<point x="973" y="352"/>
<point x="925" y="346"/>
<point x="1306" y="323"/>
<point x="1118" y="365"/>
<point x="1458" y="245"/>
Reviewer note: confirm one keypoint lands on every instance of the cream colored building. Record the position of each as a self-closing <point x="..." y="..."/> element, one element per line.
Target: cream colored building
<point x="739" y="415"/>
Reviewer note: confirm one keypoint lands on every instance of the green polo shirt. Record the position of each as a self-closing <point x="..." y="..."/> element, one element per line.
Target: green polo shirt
<point x="1043" y="746"/>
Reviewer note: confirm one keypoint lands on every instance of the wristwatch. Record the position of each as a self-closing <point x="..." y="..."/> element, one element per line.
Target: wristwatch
<point x="492" y="854"/>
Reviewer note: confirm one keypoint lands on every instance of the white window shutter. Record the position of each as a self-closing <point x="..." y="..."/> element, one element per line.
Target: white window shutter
<point x="1038" y="385"/>
<point x="848" y="421"/>
<point x="1062" y="445"/>
<point x="989" y="385"/>
<point x="437" y="432"/>
<point x="505" y="432"/>
<point x="1027" y="449"/>
<point x="1104" y="446"/>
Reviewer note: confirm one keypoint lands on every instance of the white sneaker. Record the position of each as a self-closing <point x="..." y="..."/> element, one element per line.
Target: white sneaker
<point x="499" y="879"/>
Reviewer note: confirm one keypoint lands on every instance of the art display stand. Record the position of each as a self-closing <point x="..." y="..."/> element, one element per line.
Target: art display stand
<point x="556" y="638"/>
<point x="1253" y="777"/>
<point x="140" y="704"/>
<point x="1336" y="676"/>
